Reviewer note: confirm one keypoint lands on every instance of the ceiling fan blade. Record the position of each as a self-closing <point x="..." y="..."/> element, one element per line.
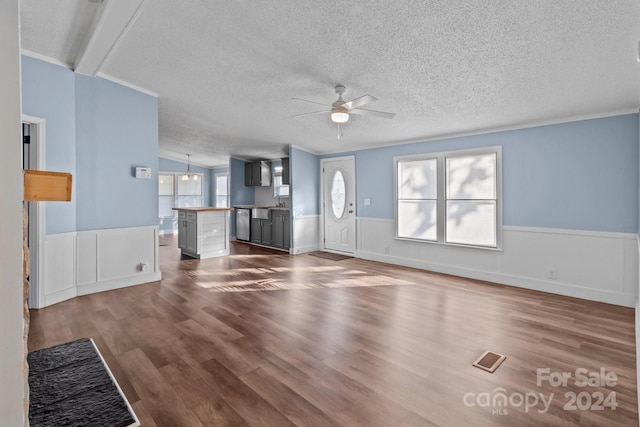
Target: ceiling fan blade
<point x="313" y="102"/>
<point x="355" y="103"/>
<point x="363" y="112"/>
<point x="310" y="114"/>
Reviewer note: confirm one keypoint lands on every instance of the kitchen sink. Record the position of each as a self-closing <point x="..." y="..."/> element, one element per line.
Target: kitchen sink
<point x="261" y="213"/>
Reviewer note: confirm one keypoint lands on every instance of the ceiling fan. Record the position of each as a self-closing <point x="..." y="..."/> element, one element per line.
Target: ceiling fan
<point x="341" y="109"/>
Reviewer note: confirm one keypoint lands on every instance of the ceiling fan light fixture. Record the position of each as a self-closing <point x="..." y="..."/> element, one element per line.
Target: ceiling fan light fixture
<point x="339" y="110"/>
<point x="339" y="116"/>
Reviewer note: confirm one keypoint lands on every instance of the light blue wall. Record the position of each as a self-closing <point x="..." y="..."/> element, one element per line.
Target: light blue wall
<point x="98" y="131"/>
<point x="117" y="130"/>
<point x="305" y="182"/>
<point x="239" y="193"/>
<point x="48" y="92"/>
<point x="578" y="175"/>
<point x="168" y="165"/>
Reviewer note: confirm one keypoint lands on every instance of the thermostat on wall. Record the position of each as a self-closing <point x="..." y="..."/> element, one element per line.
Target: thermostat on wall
<point x="143" y="173"/>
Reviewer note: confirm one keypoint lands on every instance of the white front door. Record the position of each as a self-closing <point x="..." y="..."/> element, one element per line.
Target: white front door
<point x="339" y="204"/>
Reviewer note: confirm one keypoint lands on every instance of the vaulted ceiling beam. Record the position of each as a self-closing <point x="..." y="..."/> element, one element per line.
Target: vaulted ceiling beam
<point x="109" y="27"/>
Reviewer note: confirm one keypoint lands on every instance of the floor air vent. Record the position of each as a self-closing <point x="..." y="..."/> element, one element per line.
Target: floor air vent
<point x="489" y="361"/>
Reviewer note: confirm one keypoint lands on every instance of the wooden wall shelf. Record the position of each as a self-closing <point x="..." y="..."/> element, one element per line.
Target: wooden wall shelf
<point x="45" y="186"/>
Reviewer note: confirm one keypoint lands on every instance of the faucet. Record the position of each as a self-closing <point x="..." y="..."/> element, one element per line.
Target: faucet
<point x="280" y="204"/>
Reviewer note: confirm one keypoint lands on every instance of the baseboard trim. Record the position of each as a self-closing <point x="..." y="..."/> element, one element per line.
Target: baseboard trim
<point x="304" y="249"/>
<point x="59" y="296"/>
<point x="123" y="282"/>
<point x="554" y="287"/>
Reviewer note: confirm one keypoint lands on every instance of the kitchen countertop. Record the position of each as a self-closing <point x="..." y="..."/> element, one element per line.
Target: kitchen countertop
<point x="274" y="208"/>
<point x="202" y="209"/>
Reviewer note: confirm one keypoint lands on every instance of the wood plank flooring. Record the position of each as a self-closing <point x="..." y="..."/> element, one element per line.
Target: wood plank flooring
<point x="187" y="355"/>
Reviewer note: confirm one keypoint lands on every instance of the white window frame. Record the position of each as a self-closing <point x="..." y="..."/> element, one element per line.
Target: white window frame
<point x="176" y="177"/>
<point x="172" y="196"/>
<point x="442" y="197"/>
<point x="217" y="176"/>
<point x="277" y="183"/>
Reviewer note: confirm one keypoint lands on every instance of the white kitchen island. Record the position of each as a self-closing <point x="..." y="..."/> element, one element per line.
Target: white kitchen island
<point x="203" y="232"/>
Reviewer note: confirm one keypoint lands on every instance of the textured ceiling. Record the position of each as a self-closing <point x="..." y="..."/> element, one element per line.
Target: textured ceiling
<point x="225" y="71"/>
<point x="56" y="29"/>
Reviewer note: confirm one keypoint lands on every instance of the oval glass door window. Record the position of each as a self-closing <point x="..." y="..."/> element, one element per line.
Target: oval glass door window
<point x="338" y="200"/>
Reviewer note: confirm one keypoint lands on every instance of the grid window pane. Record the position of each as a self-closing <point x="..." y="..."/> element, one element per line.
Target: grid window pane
<point x="222" y="202"/>
<point x="418" y="179"/>
<point x="221" y="185"/>
<point x="165" y="205"/>
<point x="222" y="193"/>
<point x="471" y="177"/>
<point x="471" y="222"/>
<point x="417" y="219"/>
<point x="189" y="201"/>
<point x="190" y="187"/>
<point x="173" y="191"/>
<point x="283" y="191"/>
<point x="279" y="189"/>
<point x="165" y="185"/>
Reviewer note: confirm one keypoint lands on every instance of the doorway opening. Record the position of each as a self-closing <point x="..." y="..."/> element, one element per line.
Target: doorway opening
<point x="33" y="137"/>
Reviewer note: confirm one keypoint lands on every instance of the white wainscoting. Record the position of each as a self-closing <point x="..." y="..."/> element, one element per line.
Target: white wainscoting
<point x="593" y="265"/>
<point x="58" y="281"/>
<point x="86" y="262"/>
<point x="306" y="232"/>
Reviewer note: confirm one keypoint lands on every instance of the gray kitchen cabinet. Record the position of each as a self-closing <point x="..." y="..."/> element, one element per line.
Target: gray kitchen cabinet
<point x="187" y="231"/>
<point x="257" y="174"/>
<point x="261" y="231"/>
<point x="203" y="232"/>
<point x="182" y="229"/>
<point x="280" y="229"/>
<point x="285" y="171"/>
<point x="191" y="244"/>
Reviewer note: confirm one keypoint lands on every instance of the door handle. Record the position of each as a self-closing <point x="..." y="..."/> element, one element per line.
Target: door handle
<point x="351" y="211"/>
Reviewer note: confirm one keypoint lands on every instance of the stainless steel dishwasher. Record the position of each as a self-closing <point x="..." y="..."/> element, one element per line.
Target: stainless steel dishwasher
<point x="243" y="224"/>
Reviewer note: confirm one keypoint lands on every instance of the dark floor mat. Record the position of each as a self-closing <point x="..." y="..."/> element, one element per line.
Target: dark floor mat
<point x="70" y="385"/>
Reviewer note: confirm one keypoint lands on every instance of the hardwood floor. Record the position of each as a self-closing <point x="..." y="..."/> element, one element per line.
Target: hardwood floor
<point x="186" y="354"/>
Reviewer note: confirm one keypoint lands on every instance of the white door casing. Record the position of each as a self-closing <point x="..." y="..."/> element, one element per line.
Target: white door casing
<point x="339" y="204"/>
<point x="36" y="215"/>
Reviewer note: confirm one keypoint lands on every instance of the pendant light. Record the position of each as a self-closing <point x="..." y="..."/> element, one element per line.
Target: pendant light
<point x="188" y="175"/>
